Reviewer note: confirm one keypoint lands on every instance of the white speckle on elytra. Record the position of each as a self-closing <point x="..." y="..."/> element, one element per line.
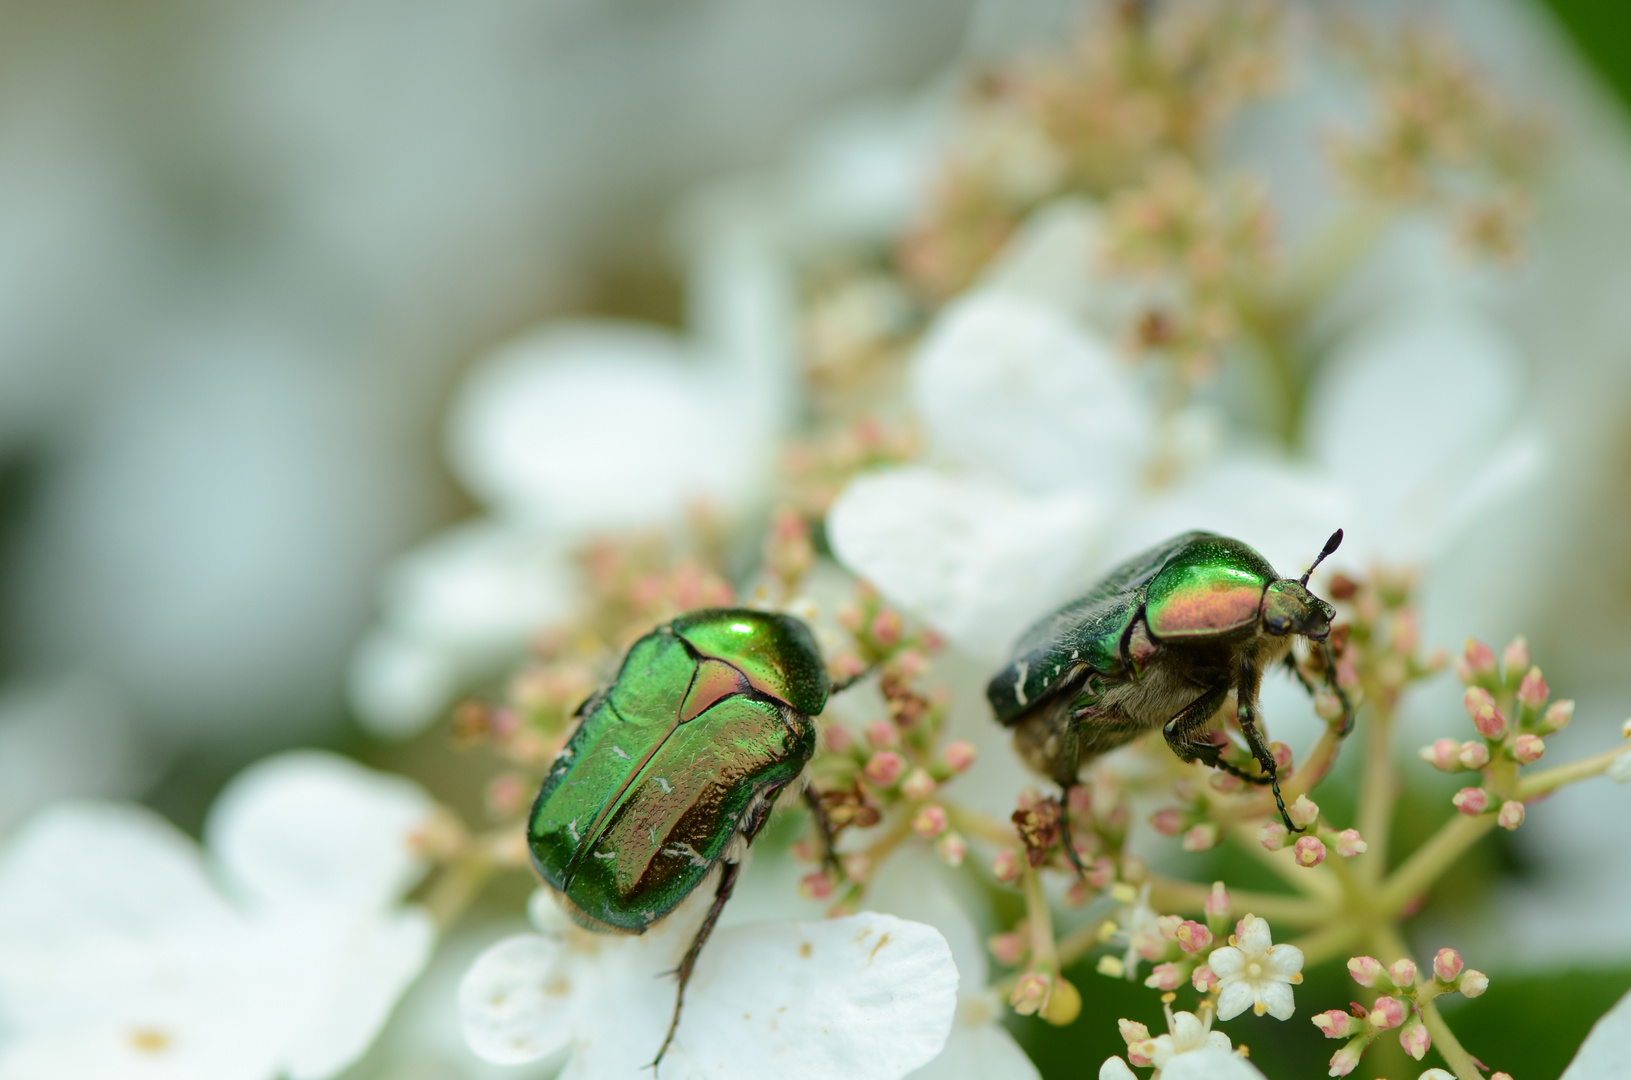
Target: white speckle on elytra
<point x="1019" y="681"/>
<point x="663" y="784"/>
<point x="620" y="752"/>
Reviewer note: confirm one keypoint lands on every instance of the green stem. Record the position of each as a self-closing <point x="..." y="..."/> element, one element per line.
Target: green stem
<point x="1551" y="779"/>
<point x="1328" y="942"/>
<point x="1429" y="861"/>
<point x="1448" y="1046"/>
<point x="1377" y="789"/>
<point x="459" y="884"/>
<point x="1167" y="894"/>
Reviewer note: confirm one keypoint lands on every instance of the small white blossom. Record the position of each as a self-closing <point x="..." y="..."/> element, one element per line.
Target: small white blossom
<point x="1186" y="1033"/>
<point x="1255" y="973"/>
<point x="126" y="953"/>
<point x="869" y="996"/>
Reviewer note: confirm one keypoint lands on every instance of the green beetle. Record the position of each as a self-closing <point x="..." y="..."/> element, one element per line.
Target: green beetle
<point x="674" y="767"/>
<point x="1160" y="642"/>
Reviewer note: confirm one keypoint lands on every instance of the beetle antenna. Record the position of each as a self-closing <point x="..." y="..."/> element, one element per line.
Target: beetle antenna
<point x="1330" y="546"/>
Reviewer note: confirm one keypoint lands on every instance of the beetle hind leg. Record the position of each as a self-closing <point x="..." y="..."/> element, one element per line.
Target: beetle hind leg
<point x="727" y="882"/>
<point x="823" y="827"/>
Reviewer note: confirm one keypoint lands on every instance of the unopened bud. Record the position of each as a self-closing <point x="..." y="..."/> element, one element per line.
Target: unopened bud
<point x="1480" y="706"/>
<point x="1527" y="749"/>
<point x="1447" y="965"/>
<point x="1337" y="1024"/>
<point x="918" y="784"/>
<point x="1349" y="843"/>
<point x="885" y="767"/>
<point x="1477" y="661"/>
<point x="882" y="735"/>
<point x="816" y="886"/>
<point x="1365" y="970"/>
<point x="1031" y="992"/>
<point x="1473" y="755"/>
<point x="1533" y="692"/>
<point x="1193" y="937"/>
<point x="1472" y="983"/>
<point x="1441" y="755"/>
<point x="1310" y="851"/>
<point x="1387" y="1013"/>
<point x="857" y="866"/>
<point x="1203" y="979"/>
<point x="1202" y="837"/>
<point x="1166" y="976"/>
<point x="1064" y="1004"/>
<point x="1217" y="902"/>
<point x="1005" y="866"/>
<point x="1327" y="706"/>
<point x="1346" y="1060"/>
<point x="1445" y="1074"/>
<point x="1273" y="835"/>
<point x="1403" y="973"/>
<point x="1281" y="753"/>
<point x="1303" y="812"/>
<point x="1557" y="717"/>
<point x="1510" y="815"/>
<point x="1112" y="966"/>
<point x="952" y="849"/>
<point x="1101" y="872"/>
<point x="930" y="821"/>
<point x="1168" y="821"/>
<point x="1515" y="657"/>
<point x="1007" y="949"/>
<point x="1471" y="800"/>
<point x="838" y="739"/>
<point x="1415" y="1039"/>
<point x="960" y="756"/>
<point x="1625" y="729"/>
<point x="886" y="627"/>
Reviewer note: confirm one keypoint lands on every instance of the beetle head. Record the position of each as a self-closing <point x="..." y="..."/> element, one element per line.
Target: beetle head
<point x="1289" y="608"/>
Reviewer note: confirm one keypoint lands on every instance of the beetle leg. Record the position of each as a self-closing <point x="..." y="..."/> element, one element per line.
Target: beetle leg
<point x="1297" y="673"/>
<point x="1246" y="686"/>
<point x="1330" y="656"/>
<point x="818" y="814"/>
<point x="1180" y="731"/>
<point x="844" y="684"/>
<point x="727" y="882"/>
<point x="1064" y="830"/>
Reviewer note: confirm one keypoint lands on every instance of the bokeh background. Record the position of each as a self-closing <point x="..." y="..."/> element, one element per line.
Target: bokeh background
<point x="246" y="252"/>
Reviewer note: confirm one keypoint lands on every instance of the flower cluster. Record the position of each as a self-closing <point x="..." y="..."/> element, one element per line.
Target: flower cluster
<point x="1402" y="998"/>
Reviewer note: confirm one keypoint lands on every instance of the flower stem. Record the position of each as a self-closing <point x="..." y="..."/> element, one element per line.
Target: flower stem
<point x="1168" y="894"/>
<point x="1377" y="788"/>
<point x="1448" y="1046"/>
<point x="1429" y="861"/>
<point x="1551" y="779"/>
<point x="457" y="886"/>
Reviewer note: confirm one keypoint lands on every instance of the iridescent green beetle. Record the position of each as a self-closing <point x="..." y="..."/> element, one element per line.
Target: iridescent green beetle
<point x="1160" y="642"/>
<point x="674" y="767"/>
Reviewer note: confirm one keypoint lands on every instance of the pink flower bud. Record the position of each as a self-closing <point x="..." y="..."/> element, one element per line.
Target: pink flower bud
<point x="1441" y="755"/>
<point x="1202" y="837"/>
<point x="1101" y="872"/>
<point x="857" y="866"/>
<point x="930" y="821"/>
<point x="1477" y="661"/>
<point x="1167" y="976"/>
<point x="1007" y="949"/>
<point x="918" y="784"/>
<point x="1349" y="843"/>
<point x="1365" y="970"/>
<point x="1273" y="835"/>
<point x="1533" y="692"/>
<point x="1511" y="815"/>
<point x="1415" y="1039"/>
<point x="1031" y="993"/>
<point x="1310" y="852"/>
<point x="1141" y="1054"/>
<point x="960" y="756"/>
<point x="886" y="627"/>
<point x="1282" y="758"/>
<point x="1303" y="812"/>
<point x="1203" y="979"/>
<point x="1168" y="821"/>
<point x="1132" y="1031"/>
<point x="1557" y="716"/>
<point x="1327" y="706"/>
<point x="1447" y="965"/>
<point x="1472" y="983"/>
<point x="1527" y="749"/>
<point x="816" y="886"/>
<point x="1337" y="1024"/>
<point x="882" y="735"/>
<point x="1480" y="706"/>
<point x="1217" y="902"/>
<point x="1403" y="973"/>
<point x="885" y="767"/>
<point x="1471" y="800"/>
<point x="838" y="738"/>
<point x="1515" y="657"/>
<point x="1193" y="937"/>
<point x="1387" y="1013"/>
<point x="1081" y="799"/>
<point x="1005" y="866"/>
<point x="952" y="849"/>
<point x="1344" y="1061"/>
<point x="1472" y="755"/>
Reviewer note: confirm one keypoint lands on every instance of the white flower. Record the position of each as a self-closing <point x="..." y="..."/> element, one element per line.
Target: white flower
<point x="1206" y="1063"/>
<point x="124" y="953"/>
<point x="1606" y="1052"/>
<point x="1186" y="1033"/>
<point x="869" y="996"/>
<point x="1255" y="973"/>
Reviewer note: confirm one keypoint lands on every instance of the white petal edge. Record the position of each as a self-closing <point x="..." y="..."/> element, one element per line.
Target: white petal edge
<point x="1606" y="1052"/>
<point x="515" y="1001"/>
<point x="982" y="1051"/>
<point x="1210" y="1064"/>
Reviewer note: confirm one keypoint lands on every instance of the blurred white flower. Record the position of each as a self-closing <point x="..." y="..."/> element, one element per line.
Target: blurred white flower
<point x="125" y="952"/>
<point x="1606" y="1052"/>
<point x="1254" y="973"/>
<point x="1209" y="1063"/>
<point x="869" y="996"/>
<point x="1204" y="1052"/>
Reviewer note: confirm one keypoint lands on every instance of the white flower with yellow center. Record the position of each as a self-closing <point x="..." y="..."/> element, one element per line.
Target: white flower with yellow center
<point x="1255" y="973"/>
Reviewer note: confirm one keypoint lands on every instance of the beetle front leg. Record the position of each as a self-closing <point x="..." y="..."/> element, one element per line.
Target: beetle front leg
<point x="727" y="882"/>
<point x="818" y="815"/>
<point x="1330" y="656"/>
<point x="1247" y="683"/>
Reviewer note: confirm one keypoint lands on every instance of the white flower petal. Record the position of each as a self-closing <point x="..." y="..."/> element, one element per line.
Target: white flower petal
<point x="868" y="997"/>
<point x="978" y="562"/>
<point x="1116" y="1069"/>
<point x="1279" y="999"/>
<point x="1226" y="961"/>
<point x="307" y="828"/>
<point x="982" y="1051"/>
<point x="597" y="425"/>
<point x="911" y="885"/>
<point x="515" y="1000"/>
<point x="1255" y="939"/>
<point x="1284" y="960"/>
<point x="1210" y="1064"/>
<point x="1234" y="998"/>
<point x="1606" y="1052"/>
<point x="1009" y="385"/>
<point x="397" y="686"/>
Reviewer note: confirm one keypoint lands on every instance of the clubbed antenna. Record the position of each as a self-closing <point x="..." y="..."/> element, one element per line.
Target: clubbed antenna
<point x="1330" y="546"/>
